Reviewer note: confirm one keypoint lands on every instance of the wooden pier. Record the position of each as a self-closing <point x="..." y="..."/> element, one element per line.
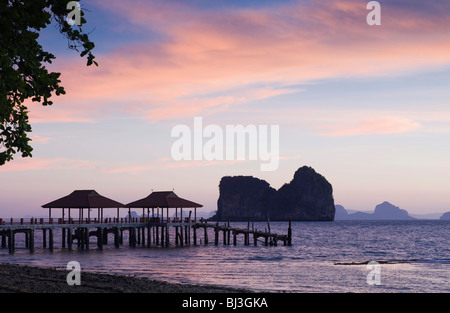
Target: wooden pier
<point x="151" y="229"/>
<point x="141" y="231"/>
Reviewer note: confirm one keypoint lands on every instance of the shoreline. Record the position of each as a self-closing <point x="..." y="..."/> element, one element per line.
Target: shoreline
<point x="16" y="278"/>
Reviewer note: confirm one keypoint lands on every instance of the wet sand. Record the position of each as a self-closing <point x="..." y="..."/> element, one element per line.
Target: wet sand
<point x="27" y="279"/>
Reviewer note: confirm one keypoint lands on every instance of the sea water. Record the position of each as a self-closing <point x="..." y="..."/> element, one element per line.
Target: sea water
<point x="413" y="256"/>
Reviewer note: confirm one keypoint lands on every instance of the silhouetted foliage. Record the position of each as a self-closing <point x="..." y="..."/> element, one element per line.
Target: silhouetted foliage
<point x="22" y="65"/>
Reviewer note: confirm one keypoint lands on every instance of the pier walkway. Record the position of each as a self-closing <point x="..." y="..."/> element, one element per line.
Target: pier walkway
<point x="141" y="231"/>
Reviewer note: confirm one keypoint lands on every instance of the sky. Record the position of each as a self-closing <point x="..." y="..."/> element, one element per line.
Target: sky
<point x="366" y="106"/>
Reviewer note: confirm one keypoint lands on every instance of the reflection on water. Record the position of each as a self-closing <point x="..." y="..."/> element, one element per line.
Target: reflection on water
<point x="418" y="250"/>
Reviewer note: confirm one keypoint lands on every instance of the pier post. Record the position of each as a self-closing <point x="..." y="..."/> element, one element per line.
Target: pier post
<point x="289" y="235"/>
<point x="31" y="242"/>
<point x="69" y="238"/>
<point x="206" y="235"/>
<point x="216" y="234"/>
<point x="11" y="241"/>
<point x="116" y="237"/>
<point x="44" y="238"/>
<point x="50" y="239"/>
<point x="86" y="237"/>
<point x="63" y="237"/>
<point x="143" y="235"/>
<point x="195" y="235"/>
<point x="100" y="238"/>
<point x="167" y="235"/>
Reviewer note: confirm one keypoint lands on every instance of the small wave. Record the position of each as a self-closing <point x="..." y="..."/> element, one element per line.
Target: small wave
<point x="438" y="261"/>
<point x="261" y="258"/>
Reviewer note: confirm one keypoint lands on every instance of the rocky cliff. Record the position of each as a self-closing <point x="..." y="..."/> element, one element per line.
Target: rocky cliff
<point x="308" y="197"/>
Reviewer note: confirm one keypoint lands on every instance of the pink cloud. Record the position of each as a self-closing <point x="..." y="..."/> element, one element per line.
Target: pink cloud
<point x="209" y="61"/>
<point x="383" y="125"/>
<point x="40" y="139"/>
<point x="34" y="164"/>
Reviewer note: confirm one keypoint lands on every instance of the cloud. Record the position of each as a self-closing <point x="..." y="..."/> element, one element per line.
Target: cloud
<point x="382" y="125"/>
<point x="40" y="139"/>
<point x="205" y="61"/>
<point x="168" y="163"/>
<point x="35" y="164"/>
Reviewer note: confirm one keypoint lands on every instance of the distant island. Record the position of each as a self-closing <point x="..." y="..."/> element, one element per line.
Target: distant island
<point x="308" y="197"/>
<point x="387" y="211"/>
<point x="383" y="211"/>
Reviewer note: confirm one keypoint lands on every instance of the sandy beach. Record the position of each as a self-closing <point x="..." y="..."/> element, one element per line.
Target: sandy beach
<point x="26" y="279"/>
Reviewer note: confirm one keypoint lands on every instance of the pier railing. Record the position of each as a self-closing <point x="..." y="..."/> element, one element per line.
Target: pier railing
<point x="106" y="220"/>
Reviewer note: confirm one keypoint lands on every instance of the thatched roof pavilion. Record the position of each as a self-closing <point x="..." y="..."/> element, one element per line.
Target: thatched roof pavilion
<point x="164" y="199"/>
<point x="81" y="200"/>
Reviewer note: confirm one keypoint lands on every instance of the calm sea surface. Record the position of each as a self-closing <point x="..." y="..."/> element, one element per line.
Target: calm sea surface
<point x="420" y="251"/>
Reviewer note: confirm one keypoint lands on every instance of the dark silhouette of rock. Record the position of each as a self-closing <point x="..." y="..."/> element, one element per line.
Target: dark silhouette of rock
<point x="383" y="211"/>
<point x="445" y="216"/>
<point x="340" y="213"/>
<point x="308" y="197"/>
<point x="387" y="211"/>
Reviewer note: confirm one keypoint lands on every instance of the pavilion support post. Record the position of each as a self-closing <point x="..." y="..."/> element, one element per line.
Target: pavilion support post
<point x="149" y="238"/>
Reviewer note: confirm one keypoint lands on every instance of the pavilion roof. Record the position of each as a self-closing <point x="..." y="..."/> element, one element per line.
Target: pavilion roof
<point x="83" y="199"/>
<point x="163" y="199"/>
